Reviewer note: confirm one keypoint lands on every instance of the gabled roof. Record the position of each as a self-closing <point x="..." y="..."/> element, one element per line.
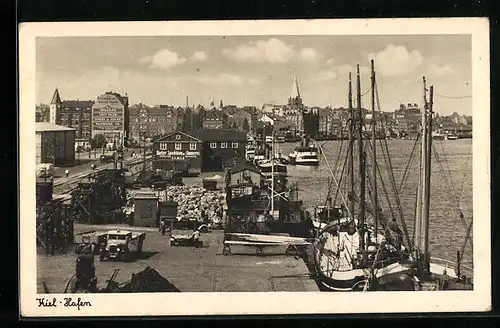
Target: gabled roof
<point x="189" y="135"/>
<point x="55" y="98"/>
<point x="242" y="166"/>
<point x="212" y="115"/>
<point x="46" y="127"/>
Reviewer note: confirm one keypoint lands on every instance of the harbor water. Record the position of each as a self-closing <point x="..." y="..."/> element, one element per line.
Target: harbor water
<point x="451" y="187"/>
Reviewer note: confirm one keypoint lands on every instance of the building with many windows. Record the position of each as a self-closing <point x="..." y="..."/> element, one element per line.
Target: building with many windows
<point x="150" y="122"/>
<point x="177" y="151"/>
<point x="76" y="114"/>
<point x="110" y="118"/>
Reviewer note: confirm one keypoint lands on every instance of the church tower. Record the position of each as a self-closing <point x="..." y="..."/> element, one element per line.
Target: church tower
<point x="295" y="100"/>
<point x="55" y="108"/>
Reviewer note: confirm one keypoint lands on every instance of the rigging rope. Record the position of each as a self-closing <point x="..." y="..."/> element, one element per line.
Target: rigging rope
<point x="392" y="179"/>
<point x="452" y="97"/>
<point x="334" y="169"/>
<point x="341" y="176"/>
<point x="464" y="221"/>
<point x="386" y="193"/>
<point x="335" y="180"/>
<point x="408" y="165"/>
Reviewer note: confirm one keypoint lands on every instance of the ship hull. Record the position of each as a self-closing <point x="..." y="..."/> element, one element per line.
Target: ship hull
<point x="395" y="277"/>
<point x="307" y="163"/>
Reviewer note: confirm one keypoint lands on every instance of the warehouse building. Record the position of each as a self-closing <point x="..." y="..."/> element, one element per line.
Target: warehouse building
<point x="55" y="144"/>
<point x="198" y="151"/>
<point x="177" y="151"/>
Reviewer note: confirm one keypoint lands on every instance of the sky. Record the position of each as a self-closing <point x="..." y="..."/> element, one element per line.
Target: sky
<point x="255" y="70"/>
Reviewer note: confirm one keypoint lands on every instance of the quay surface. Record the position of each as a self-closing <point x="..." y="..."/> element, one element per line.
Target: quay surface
<point x="189" y="269"/>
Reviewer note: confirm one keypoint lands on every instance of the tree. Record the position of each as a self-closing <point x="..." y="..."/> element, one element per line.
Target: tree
<point x="245" y="125"/>
<point x="99" y="141"/>
<point x="187" y="120"/>
<point x="235" y="126"/>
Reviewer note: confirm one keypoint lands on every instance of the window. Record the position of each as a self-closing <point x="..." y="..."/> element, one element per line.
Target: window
<point x="213" y="145"/>
<point x="192" y="146"/>
<point x="178" y="146"/>
<point x="163" y="146"/>
<point x="234" y="145"/>
<point x="178" y="137"/>
<point x="223" y="145"/>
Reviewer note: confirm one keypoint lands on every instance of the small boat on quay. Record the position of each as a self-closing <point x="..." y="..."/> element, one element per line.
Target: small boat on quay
<point x="359" y="247"/>
<point x="306" y="153"/>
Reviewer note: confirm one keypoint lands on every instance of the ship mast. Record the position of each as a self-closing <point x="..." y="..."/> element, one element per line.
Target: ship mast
<point x="361" y="166"/>
<point x="272" y="171"/>
<point x="374" y="152"/>
<point x="423" y="210"/>
<point x="350" y="150"/>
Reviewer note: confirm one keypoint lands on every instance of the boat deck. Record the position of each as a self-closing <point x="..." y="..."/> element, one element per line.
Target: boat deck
<point x="189" y="269"/>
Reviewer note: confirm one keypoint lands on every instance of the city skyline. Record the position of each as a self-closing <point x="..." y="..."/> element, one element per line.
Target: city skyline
<point x="250" y="70"/>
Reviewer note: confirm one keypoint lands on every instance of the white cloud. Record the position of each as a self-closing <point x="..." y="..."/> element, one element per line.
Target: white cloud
<point x="396" y="60"/>
<point x="439" y="70"/>
<point x="223" y="79"/>
<point x="163" y="59"/>
<point x="199" y="56"/>
<point x="346" y="69"/>
<point x="253" y="81"/>
<point x="272" y="50"/>
<point x="330" y="61"/>
<point x="326" y="75"/>
<point x="309" y="54"/>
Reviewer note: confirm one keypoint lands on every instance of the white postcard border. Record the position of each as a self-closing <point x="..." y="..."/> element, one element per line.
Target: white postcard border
<point x="179" y="304"/>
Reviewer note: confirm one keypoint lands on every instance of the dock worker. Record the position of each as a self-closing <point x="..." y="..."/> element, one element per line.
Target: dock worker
<point x="162" y="227"/>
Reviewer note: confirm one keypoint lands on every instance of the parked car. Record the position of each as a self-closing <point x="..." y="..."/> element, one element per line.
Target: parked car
<point x="106" y="158"/>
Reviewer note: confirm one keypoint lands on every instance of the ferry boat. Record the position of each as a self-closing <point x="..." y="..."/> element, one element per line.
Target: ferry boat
<point x="438" y="136"/>
<point x="250" y="152"/>
<point x="267" y="170"/>
<point x="269" y="139"/>
<point x="306" y="153"/>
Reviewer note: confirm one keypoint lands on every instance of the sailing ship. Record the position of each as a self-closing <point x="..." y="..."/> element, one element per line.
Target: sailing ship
<point x="366" y="251"/>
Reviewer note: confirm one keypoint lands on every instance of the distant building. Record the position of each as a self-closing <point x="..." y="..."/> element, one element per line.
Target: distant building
<point x="238" y="115"/>
<point x="329" y="124"/>
<point x="55" y="144"/>
<point x="408" y="119"/>
<point x="147" y="122"/>
<point x="110" y="117"/>
<point x="75" y="114"/>
<point x="213" y="119"/>
<point x="42" y="113"/>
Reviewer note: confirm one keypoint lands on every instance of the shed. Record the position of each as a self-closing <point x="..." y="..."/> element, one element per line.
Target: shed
<point x="168" y="210"/>
<point x="55" y="144"/>
<point x="145" y="209"/>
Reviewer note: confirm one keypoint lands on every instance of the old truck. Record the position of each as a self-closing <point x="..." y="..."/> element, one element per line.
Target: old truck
<point x="122" y="245"/>
<point x="90" y="240"/>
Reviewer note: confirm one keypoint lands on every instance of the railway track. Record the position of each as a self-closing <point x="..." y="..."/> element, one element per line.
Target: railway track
<point x="66" y="186"/>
